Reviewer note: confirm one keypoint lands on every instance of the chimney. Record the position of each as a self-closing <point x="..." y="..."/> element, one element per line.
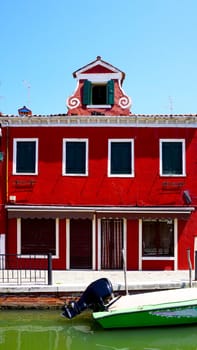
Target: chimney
<point x="24" y="112"/>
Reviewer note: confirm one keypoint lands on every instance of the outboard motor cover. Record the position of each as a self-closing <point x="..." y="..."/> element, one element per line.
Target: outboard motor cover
<point x="93" y="297"/>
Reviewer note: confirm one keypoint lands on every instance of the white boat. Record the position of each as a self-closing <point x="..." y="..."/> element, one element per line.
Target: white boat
<point x="160" y="308"/>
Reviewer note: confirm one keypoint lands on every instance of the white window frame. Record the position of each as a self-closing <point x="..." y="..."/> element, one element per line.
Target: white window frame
<point x="161" y="141"/>
<point x="64" y="157"/>
<point x="99" y="240"/>
<point x="159" y="258"/>
<point x="56" y="256"/>
<point x="15" y="156"/>
<point x="110" y="141"/>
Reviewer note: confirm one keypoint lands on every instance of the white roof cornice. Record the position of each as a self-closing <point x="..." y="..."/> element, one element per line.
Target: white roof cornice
<point x="133" y="120"/>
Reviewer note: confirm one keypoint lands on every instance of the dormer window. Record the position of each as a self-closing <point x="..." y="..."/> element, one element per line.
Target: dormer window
<point x="98" y="94"/>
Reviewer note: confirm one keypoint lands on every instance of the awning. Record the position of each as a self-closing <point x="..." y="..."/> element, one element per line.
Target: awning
<point x="87" y="212"/>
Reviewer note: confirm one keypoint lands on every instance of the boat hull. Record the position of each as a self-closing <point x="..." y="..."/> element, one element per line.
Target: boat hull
<point x="149" y="317"/>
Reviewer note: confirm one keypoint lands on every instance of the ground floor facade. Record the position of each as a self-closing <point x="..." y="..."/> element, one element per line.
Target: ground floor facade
<point x="95" y="238"/>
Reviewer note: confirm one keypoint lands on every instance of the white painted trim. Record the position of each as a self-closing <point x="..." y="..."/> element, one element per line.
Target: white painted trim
<point x="98" y="106"/>
<point x="57" y="238"/>
<point x="2" y="243"/>
<point x="2" y="251"/>
<point x="94" y="242"/>
<point x="18" y="225"/>
<point x="97" y="62"/>
<point x="124" y="101"/>
<point x="99" y="239"/>
<point x="15" y="140"/>
<point x="64" y="156"/>
<point x="132" y="120"/>
<point x="99" y="243"/>
<point x="73" y="101"/>
<point x="195" y="243"/>
<point x="67" y="244"/>
<point x="175" y="244"/>
<point x="156" y="258"/>
<point x="125" y="237"/>
<point x="25" y="256"/>
<point x="110" y="141"/>
<point x="140" y="245"/>
<point x="159" y="258"/>
<point x="161" y="141"/>
<point x="99" y="77"/>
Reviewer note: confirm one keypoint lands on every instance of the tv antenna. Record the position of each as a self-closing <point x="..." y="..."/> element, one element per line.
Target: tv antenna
<point x="171" y="104"/>
<point x="28" y="87"/>
<point x="1" y="97"/>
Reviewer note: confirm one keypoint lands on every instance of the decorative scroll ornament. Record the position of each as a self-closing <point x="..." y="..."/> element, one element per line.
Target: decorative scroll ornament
<point x="124" y="102"/>
<point x="73" y="102"/>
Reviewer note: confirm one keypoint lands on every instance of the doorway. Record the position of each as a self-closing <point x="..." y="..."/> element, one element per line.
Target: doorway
<point x="111" y="244"/>
<point x="81" y="244"/>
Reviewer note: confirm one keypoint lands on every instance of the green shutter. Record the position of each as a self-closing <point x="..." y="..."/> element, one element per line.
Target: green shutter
<point x="110" y="92"/>
<point x="87" y="92"/>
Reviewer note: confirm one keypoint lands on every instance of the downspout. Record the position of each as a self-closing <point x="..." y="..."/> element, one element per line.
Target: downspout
<point x="7" y="160"/>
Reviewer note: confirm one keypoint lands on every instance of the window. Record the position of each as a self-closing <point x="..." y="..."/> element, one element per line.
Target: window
<point x="25" y="156"/>
<point x="98" y="94"/>
<point x="120" y="158"/>
<point x="158" y="238"/>
<point x="38" y="236"/>
<point x="75" y="157"/>
<point x="172" y="157"/>
<point x="111" y="243"/>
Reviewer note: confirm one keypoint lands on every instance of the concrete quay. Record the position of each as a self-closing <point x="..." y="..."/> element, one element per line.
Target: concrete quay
<point x="67" y="285"/>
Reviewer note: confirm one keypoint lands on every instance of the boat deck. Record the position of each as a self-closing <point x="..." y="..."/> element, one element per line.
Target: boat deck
<point x="155" y="298"/>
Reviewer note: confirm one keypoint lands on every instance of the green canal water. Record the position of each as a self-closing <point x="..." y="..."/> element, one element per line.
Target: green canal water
<point x="48" y="330"/>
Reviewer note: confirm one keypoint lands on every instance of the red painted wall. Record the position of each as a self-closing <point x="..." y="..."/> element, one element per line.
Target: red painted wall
<point x="114" y="110"/>
<point x="146" y="188"/>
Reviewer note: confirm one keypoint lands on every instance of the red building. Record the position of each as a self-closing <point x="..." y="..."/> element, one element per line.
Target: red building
<point x="86" y="184"/>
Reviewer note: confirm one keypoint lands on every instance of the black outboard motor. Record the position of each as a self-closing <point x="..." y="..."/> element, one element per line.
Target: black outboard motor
<point x="93" y="297"/>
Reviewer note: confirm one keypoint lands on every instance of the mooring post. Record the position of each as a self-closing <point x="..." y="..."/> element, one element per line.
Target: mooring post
<point x="190" y="267"/>
<point x="49" y="268"/>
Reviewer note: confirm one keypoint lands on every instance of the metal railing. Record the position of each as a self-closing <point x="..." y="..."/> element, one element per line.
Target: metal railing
<point x="20" y="270"/>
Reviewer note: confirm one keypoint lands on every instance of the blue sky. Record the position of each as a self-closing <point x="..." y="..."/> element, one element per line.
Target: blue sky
<point x="44" y="41"/>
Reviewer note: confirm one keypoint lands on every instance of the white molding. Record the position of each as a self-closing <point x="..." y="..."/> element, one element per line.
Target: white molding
<point x="18" y="225"/>
<point x="97" y="62"/>
<point x="64" y="156"/>
<point x="132" y="120"/>
<point x="15" y="140"/>
<point x="140" y="245"/>
<point x="99" y="243"/>
<point x="124" y="101"/>
<point x="175" y="244"/>
<point x="98" y="106"/>
<point x="99" y="240"/>
<point x="99" y="77"/>
<point x="110" y="141"/>
<point x="94" y="242"/>
<point x="67" y="244"/>
<point x="159" y="258"/>
<point x="125" y="237"/>
<point x="161" y="141"/>
<point x="25" y="256"/>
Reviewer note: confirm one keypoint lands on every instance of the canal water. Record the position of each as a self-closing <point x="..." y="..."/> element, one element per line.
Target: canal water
<point x="48" y="330"/>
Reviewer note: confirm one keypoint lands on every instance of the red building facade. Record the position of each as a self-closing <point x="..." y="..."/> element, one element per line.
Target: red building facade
<point x="99" y="179"/>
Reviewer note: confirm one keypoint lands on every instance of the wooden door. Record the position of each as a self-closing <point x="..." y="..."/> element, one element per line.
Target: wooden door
<point x="80" y="244"/>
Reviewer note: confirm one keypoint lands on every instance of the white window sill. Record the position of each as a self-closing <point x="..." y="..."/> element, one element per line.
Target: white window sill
<point x="98" y="106"/>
